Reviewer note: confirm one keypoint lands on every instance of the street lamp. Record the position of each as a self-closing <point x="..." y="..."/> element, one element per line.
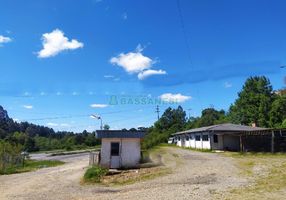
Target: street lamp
<point x="97" y="117"/>
<point x="283" y="67"/>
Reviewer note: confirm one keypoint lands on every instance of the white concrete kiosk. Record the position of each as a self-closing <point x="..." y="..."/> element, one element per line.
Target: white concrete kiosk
<point x="119" y="148"/>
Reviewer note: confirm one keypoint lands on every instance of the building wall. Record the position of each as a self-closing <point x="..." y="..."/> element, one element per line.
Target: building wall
<point x="192" y="141"/>
<point x="231" y="143"/>
<point x="129" y="151"/>
<point x="219" y="144"/>
<point x="225" y="141"/>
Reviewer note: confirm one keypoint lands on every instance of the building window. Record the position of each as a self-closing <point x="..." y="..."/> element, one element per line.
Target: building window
<point x="205" y="138"/>
<point x="198" y="137"/>
<point x="114" y="148"/>
<point x="179" y="138"/>
<point x="215" y="138"/>
<point x="187" y="138"/>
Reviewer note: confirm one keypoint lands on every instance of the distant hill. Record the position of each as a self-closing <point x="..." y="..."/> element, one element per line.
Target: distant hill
<point x="3" y="114"/>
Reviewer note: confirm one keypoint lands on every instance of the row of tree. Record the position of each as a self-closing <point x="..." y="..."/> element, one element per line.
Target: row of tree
<point x="35" y="138"/>
<point x="256" y="103"/>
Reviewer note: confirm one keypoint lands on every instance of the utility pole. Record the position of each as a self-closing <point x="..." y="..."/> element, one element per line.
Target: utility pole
<point x="98" y="118"/>
<point x="157" y="111"/>
<point x="283" y="67"/>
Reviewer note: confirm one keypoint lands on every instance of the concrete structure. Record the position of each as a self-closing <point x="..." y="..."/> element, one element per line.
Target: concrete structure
<point x="216" y="137"/>
<point x="120" y="149"/>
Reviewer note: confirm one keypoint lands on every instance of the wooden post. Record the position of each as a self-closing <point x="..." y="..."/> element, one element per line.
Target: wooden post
<point x="241" y="146"/>
<point x="272" y="142"/>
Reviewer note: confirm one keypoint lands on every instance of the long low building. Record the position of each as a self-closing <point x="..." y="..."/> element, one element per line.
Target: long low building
<point x="217" y="137"/>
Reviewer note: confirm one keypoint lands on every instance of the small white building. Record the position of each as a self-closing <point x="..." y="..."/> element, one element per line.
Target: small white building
<point x="217" y="137"/>
<point x="119" y="148"/>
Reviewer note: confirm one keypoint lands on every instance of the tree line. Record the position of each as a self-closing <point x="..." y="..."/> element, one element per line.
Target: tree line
<point x="40" y="138"/>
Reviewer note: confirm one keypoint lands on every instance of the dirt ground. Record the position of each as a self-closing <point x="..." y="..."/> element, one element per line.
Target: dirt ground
<point x="195" y="175"/>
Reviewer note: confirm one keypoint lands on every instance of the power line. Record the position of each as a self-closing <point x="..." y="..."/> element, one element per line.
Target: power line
<point x="182" y="22"/>
<point x="76" y="116"/>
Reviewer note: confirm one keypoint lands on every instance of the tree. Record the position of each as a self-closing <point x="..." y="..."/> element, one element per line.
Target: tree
<point x="253" y="103"/>
<point x="211" y="116"/>
<point x="175" y="118"/>
<point x="171" y="121"/>
<point x="106" y="127"/>
<point x="278" y="111"/>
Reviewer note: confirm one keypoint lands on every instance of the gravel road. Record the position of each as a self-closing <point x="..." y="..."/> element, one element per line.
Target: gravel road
<point x="195" y="175"/>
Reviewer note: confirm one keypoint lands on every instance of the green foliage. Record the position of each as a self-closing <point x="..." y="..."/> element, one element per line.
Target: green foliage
<point x="106" y="127"/>
<point x="171" y="121"/>
<point x="254" y="102"/>
<point x="10" y="156"/>
<point x="278" y="112"/>
<point x="30" y="165"/>
<point x="210" y="116"/>
<point x="94" y="174"/>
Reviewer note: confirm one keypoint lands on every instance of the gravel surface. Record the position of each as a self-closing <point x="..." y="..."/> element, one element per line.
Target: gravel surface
<point x="195" y="175"/>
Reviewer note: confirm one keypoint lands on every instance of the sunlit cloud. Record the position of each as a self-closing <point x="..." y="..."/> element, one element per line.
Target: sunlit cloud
<point x="98" y="105"/>
<point x="150" y="72"/>
<point x="108" y="76"/>
<point x="4" y="39"/>
<point x="56" y="42"/>
<point x="136" y="63"/>
<point x="227" y="85"/>
<point x="179" y="98"/>
<point x="28" y="106"/>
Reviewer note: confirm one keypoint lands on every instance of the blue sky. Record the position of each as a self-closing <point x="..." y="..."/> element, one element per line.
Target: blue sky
<point x="61" y="61"/>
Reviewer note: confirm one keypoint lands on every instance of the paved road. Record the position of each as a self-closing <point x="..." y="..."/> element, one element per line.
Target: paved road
<point x="47" y="156"/>
<point x="195" y="176"/>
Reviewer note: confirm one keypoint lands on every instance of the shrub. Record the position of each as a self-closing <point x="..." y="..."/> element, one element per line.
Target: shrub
<point x="94" y="174"/>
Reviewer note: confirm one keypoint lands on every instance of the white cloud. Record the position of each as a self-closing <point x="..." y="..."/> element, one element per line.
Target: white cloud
<point x="98" y="105"/>
<point x="133" y="62"/>
<point x="43" y="94"/>
<point x="75" y="94"/>
<point x="149" y="72"/>
<point x="28" y="106"/>
<point x="64" y="125"/>
<point x="136" y="63"/>
<point x="58" y="125"/>
<point x="58" y="93"/>
<point x="227" y="85"/>
<point x="108" y="76"/>
<point x="51" y="124"/>
<point x="4" y="39"/>
<point x="56" y="42"/>
<point x="179" y="98"/>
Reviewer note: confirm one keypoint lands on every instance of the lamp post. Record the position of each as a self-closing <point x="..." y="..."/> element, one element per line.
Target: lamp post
<point x="283" y="67"/>
<point x="98" y="118"/>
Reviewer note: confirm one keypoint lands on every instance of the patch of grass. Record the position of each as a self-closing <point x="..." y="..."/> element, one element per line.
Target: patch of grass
<point x="266" y="173"/>
<point x="31" y="165"/>
<point x="94" y="174"/>
<point x="131" y="177"/>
